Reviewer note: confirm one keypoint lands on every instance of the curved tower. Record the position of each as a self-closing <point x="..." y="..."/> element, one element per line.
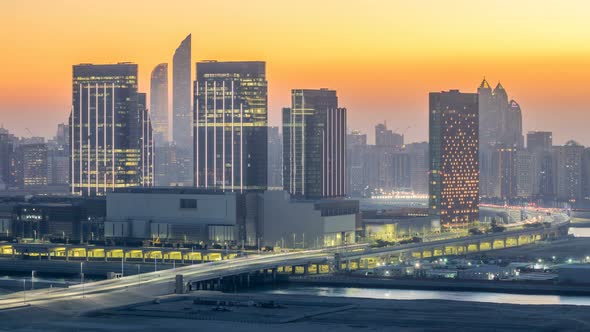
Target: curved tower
<point x="514" y="125"/>
<point x="159" y="103"/>
<point x="182" y="118"/>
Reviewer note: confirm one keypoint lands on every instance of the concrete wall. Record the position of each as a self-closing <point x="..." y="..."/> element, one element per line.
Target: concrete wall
<point x="165" y="207"/>
<point x="297" y="223"/>
<point x="151" y="215"/>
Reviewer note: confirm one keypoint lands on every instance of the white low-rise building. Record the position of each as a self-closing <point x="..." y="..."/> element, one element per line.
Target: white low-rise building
<point x="306" y="223"/>
<point x="268" y="218"/>
<point x="171" y="213"/>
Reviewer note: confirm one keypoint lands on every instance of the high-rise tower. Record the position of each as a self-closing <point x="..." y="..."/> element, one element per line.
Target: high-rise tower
<point x="454" y="167"/>
<point x="181" y="94"/>
<point x="110" y="130"/>
<point x="231" y="119"/>
<point x="513" y="126"/>
<point x="159" y="103"/>
<point x="182" y="114"/>
<point x="314" y="141"/>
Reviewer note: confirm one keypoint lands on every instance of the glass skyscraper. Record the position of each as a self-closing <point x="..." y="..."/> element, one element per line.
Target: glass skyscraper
<point x="230" y="123"/>
<point x="454" y="160"/>
<point x="182" y="114"/>
<point x="35" y="166"/>
<point x="110" y="130"/>
<point x="159" y="103"/>
<point x="181" y="94"/>
<point x="314" y="145"/>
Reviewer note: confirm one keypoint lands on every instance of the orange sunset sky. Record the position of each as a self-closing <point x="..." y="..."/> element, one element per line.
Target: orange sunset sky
<point x="383" y="57"/>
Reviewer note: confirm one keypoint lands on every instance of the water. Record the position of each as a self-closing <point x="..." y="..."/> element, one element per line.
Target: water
<point x="580" y="231"/>
<point x="404" y="294"/>
<point x="13" y="281"/>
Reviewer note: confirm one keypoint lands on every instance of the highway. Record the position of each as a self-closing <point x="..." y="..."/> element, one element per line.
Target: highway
<point x="156" y="283"/>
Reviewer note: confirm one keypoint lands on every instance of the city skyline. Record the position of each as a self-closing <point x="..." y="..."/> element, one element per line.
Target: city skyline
<point x="256" y="165"/>
<point x="406" y="60"/>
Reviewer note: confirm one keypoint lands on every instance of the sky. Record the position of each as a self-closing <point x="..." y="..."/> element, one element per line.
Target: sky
<point x="382" y="56"/>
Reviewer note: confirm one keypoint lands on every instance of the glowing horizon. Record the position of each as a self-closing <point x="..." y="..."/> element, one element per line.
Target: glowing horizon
<point x="383" y="57"/>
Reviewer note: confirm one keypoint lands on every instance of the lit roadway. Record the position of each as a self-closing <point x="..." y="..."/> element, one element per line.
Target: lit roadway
<point x="158" y="283"/>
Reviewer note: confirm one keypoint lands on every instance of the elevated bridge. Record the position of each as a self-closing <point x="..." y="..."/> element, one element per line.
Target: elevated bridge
<point x="83" y="252"/>
<point x="203" y="276"/>
<point x="369" y="257"/>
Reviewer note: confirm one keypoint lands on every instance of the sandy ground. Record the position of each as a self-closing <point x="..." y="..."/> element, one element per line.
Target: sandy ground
<point x="301" y="313"/>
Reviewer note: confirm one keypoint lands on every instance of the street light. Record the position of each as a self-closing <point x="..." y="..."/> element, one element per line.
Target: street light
<point x="82" y="277"/>
<point x="138" y="275"/>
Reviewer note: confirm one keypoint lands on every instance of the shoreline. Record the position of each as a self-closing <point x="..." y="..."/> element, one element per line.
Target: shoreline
<point x="512" y="287"/>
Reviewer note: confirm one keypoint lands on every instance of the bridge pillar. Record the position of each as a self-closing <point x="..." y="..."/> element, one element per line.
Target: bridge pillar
<point x="274" y="273"/>
<point x="67" y="254"/>
<point x="305" y="269"/>
<point x="348" y="265"/>
<point x="48" y="254"/>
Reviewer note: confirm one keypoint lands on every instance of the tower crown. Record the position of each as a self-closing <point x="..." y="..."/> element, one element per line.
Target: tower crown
<point x="484" y="84"/>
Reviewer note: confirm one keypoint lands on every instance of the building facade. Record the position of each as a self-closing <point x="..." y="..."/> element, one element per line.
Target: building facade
<point x="525" y="179"/>
<point x="231" y="119"/>
<point x="7" y="143"/>
<point x="182" y="118"/>
<point x="418" y="161"/>
<point x="176" y="214"/>
<point x="314" y="145"/>
<point x="159" y="103"/>
<point x="387" y="138"/>
<point x="500" y="127"/>
<point x="539" y="140"/>
<point x="275" y="159"/>
<point x="110" y="130"/>
<point x="454" y="160"/>
<point x="356" y="150"/>
<point x="35" y="164"/>
<point x="295" y="223"/>
<point x="181" y="94"/>
<point x="504" y="172"/>
<point x="568" y="171"/>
